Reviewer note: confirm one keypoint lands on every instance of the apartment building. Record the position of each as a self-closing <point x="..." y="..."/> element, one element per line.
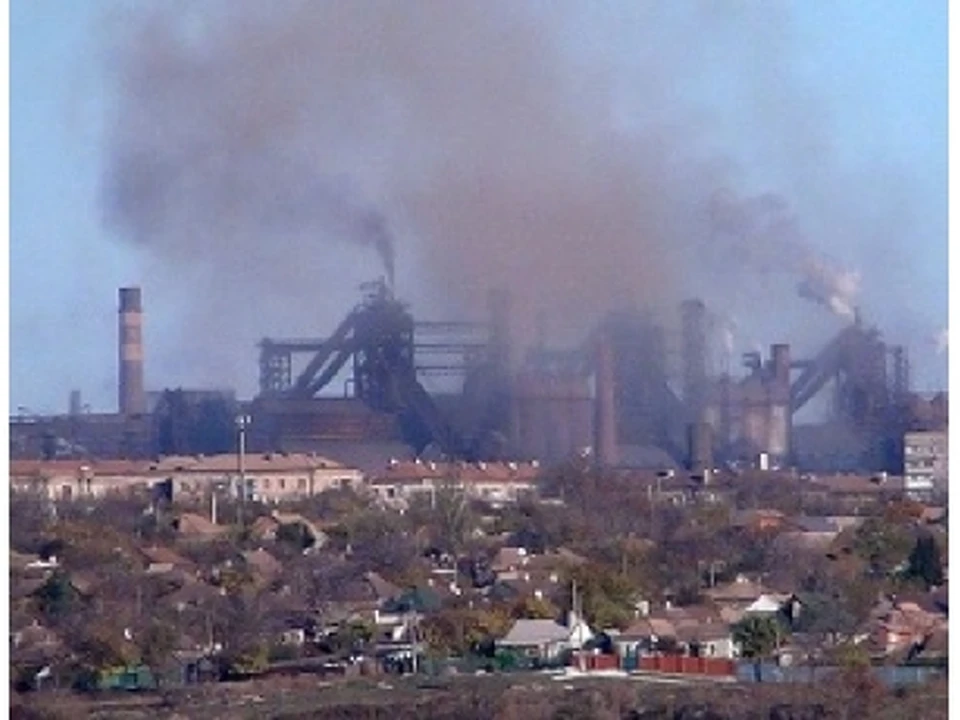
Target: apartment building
<point x="925" y="462"/>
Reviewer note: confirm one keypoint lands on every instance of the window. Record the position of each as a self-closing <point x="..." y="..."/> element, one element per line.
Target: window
<point x="282" y="483"/>
<point x="301" y="483"/>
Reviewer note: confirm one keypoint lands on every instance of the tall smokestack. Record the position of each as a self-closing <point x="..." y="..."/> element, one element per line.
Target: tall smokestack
<point x="780" y="356"/>
<point x="498" y="304"/>
<point x="132" y="398"/>
<point x="606" y="424"/>
<point x="694" y="320"/>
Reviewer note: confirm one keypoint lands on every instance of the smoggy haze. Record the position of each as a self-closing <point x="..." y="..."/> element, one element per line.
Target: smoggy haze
<point x="254" y="166"/>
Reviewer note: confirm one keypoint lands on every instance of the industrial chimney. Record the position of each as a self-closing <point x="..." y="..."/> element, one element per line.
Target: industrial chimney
<point x="695" y="351"/>
<point x="132" y="397"/>
<point x="498" y="303"/>
<point x="605" y="443"/>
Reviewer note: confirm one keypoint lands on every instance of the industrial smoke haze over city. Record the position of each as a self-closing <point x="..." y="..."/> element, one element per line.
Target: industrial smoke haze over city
<point x="250" y="164"/>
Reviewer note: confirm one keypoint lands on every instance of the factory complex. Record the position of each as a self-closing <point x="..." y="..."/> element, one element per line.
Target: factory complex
<point x="638" y="395"/>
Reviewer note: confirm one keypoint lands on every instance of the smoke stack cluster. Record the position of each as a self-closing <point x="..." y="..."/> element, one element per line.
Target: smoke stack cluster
<point x="132" y="396"/>
<point x="472" y="139"/>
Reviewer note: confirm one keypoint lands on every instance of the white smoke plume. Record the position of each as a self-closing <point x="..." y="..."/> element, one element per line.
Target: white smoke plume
<point x="763" y="234"/>
<point x="942" y="341"/>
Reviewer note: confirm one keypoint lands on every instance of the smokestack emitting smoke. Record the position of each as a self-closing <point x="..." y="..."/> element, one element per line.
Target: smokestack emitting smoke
<point x="256" y="142"/>
<point x="132" y="397"/>
<point x="765" y="236"/>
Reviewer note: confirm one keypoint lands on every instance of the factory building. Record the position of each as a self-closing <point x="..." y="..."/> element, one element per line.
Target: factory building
<point x="633" y="394"/>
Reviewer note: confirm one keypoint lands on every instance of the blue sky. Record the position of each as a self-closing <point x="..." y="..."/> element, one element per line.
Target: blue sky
<point x="881" y="68"/>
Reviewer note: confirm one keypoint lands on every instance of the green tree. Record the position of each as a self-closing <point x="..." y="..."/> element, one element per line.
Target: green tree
<point x="57" y="598"/>
<point x="924" y="563"/>
<point x="883" y="545"/>
<point x="758" y="636"/>
<point x="607" y="596"/>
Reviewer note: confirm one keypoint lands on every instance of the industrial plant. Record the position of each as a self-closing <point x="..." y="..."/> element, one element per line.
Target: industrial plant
<point x="637" y="392"/>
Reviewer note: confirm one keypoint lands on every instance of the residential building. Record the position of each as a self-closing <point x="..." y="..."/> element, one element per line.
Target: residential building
<point x="925" y="462"/>
<point x="497" y="483"/>
<point x="271" y="477"/>
<point x="546" y="640"/>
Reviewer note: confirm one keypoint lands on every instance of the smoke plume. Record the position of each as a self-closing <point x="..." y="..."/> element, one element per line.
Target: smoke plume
<point x="942" y="341"/>
<point x="763" y="234"/>
<point x="261" y="142"/>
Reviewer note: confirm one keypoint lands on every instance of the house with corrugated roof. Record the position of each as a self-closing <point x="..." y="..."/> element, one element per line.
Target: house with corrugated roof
<point x="546" y="640"/>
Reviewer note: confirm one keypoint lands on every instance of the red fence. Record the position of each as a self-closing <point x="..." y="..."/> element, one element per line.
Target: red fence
<point x="591" y="661"/>
<point x="681" y="664"/>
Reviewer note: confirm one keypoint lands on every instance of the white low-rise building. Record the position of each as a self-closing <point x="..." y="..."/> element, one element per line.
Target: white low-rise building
<point x="497" y="483"/>
<point x="269" y="477"/>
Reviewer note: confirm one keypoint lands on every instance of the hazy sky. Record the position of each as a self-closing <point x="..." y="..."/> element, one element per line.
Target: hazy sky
<point x="879" y="69"/>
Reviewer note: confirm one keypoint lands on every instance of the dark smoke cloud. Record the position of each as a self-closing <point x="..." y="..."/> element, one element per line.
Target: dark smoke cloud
<point x="261" y="142"/>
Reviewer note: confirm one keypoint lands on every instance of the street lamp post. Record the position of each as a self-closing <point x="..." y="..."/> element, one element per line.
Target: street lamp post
<point x="242" y="422"/>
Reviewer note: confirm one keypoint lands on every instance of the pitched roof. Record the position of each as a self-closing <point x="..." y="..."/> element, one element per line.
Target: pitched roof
<point x="161" y="555"/>
<point x="263" y="563"/>
<point x="509" y="557"/>
<point x="814" y="524"/>
<point x="703" y="631"/>
<point x="740" y="590"/>
<point x="197" y="525"/>
<point x="535" y="632"/>
<point x="253" y="462"/>
<point x="650" y="627"/>
<point x="383" y="589"/>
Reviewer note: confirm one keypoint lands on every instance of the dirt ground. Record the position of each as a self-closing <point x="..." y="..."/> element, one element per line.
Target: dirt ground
<point x="532" y="697"/>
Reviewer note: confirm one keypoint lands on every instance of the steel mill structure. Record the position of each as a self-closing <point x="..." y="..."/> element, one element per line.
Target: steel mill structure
<point x="631" y="387"/>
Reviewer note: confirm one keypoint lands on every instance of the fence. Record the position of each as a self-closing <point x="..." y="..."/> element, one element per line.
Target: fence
<point x="889" y="675"/>
<point x="680" y="664"/>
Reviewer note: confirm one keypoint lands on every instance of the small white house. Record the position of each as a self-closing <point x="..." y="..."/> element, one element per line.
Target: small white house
<point x="546" y="640"/>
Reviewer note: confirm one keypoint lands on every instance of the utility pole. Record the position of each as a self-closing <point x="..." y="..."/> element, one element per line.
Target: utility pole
<point x="242" y="422"/>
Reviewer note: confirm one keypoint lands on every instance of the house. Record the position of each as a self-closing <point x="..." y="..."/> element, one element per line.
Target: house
<point x="266" y="527"/>
<point x="263" y="567"/>
<point x="739" y="594"/>
<point x="193" y="527"/>
<point x="162" y="560"/>
<point x="757" y="520"/>
<point x="707" y="639"/>
<point x="546" y="640"/>
<point x="646" y="636"/>
<point x="896" y="627"/>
